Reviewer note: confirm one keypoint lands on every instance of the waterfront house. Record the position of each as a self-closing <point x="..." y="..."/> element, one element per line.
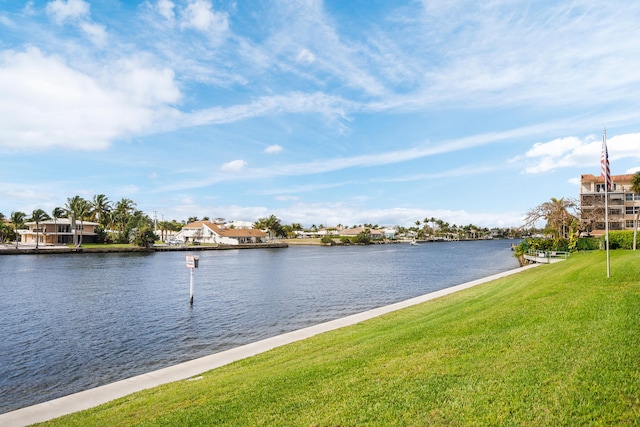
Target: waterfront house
<point x="623" y="203"/>
<point x="372" y="233"/>
<point x="208" y="232"/>
<point x="58" y="232"/>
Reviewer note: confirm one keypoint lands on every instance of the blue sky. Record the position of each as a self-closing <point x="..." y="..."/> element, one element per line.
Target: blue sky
<point x="328" y="112"/>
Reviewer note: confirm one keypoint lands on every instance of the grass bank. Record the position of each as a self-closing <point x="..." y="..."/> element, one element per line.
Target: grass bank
<point x="556" y="345"/>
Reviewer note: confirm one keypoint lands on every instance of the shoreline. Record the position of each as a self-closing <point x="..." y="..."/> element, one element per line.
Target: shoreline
<point x="183" y="371"/>
<point x="30" y="250"/>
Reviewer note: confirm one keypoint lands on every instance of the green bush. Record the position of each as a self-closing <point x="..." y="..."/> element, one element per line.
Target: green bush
<point x="327" y="240"/>
<point x="619" y="240"/>
<point x="587" y="244"/>
<point x="541" y="244"/>
<point x="362" y="238"/>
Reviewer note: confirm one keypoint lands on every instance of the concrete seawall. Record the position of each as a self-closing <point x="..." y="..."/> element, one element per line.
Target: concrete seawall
<point x="44" y="250"/>
<point x="183" y="371"/>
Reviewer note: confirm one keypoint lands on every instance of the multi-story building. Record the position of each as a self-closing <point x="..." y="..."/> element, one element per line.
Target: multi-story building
<point x="623" y="203"/>
<point x="58" y="232"/>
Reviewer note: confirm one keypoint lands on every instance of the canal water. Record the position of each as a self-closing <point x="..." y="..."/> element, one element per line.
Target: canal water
<point x="70" y="322"/>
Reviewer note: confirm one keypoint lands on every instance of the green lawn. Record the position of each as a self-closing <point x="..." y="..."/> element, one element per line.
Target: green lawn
<point x="555" y="345"/>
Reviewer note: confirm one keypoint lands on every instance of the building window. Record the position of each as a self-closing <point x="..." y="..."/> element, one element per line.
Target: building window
<point x="600" y="187"/>
<point x="631" y="196"/>
<point x="629" y="223"/>
<point x="631" y="210"/>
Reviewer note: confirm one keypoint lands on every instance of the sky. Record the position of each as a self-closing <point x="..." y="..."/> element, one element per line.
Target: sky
<point x="334" y="112"/>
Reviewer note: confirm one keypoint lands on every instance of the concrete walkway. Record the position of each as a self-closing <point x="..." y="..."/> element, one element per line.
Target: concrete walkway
<point x="99" y="395"/>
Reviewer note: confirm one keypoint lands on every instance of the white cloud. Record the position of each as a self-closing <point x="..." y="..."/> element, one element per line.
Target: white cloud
<point x="76" y="12"/>
<point x="575" y="152"/>
<point x="305" y="57"/>
<point x="348" y="214"/>
<point x="166" y="9"/>
<point x="96" y="33"/>
<point x="61" y="10"/>
<point x="233" y="166"/>
<point x="142" y="84"/>
<point x="200" y="16"/>
<point x="46" y="103"/>
<point x="273" y="149"/>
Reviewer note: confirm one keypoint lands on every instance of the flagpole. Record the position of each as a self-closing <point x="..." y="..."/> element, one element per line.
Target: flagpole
<point x="607" y="178"/>
<point x="606" y="225"/>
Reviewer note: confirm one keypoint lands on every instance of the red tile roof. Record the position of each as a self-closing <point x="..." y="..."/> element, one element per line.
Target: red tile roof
<point x="226" y="231"/>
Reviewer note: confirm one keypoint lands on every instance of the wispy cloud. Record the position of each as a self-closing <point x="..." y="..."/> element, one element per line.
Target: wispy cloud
<point x="340" y="163"/>
<point x="61" y="10"/>
<point x="575" y="152"/>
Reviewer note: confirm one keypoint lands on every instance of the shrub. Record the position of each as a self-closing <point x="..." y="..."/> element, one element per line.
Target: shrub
<point x="327" y="240"/>
<point x="619" y="240"/>
<point x="362" y="238"/>
<point x="587" y="244"/>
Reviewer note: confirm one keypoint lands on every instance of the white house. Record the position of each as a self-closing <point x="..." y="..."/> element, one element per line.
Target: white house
<point x="208" y="232"/>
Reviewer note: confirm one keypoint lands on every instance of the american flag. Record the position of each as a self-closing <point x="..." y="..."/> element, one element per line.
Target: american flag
<point x="604" y="161"/>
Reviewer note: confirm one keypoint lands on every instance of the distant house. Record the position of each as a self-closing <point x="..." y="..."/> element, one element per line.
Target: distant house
<point x="373" y="233"/>
<point x="389" y="233"/>
<point x="58" y="232"/>
<point x="208" y="232"/>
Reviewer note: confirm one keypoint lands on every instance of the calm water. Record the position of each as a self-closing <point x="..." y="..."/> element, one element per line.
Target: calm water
<point x="73" y="322"/>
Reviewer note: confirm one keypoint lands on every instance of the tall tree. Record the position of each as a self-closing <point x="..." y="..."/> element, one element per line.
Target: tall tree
<point x="37" y="216"/>
<point x="77" y="208"/>
<point x="100" y="208"/>
<point x="17" y="219"/>
<point x="4" y="228"/>
<point x="272" y="224"/>
<point x="557" y="213"/>
<point x="635" y="187"/>
<point x="56" y="213"/>
<point x="122" y="212"/>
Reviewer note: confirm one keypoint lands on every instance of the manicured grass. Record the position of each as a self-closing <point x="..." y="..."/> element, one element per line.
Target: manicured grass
<point x="556" y="345"/>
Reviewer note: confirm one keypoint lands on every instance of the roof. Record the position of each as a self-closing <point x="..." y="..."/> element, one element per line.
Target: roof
<point x="599" y="178"/>
<point x="226" y="231"/>
<point x="358" y="230"/>
<point x="61" y="221"/>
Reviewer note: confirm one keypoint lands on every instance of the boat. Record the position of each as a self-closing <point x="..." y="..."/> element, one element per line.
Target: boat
<point x="414" y="243"/>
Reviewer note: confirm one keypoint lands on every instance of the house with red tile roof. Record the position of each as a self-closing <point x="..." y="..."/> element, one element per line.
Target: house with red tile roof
<point x="208" y="232"/>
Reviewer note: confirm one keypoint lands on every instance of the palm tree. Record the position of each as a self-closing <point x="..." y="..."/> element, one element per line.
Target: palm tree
<point x="37" y="216"/>
<point x="17" y="219"/>
<point x="272" y="224"/>
<point x="635" y="187"/>
<point x="77" y="208"/>
<point x="100" y="208"/>
<point x="56" y="213"/>
<point x="123" y="210"/>
<point x="2" y="228"/>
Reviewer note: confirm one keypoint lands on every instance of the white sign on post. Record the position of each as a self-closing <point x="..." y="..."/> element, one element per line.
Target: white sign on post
<point x="192" y="262"/>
